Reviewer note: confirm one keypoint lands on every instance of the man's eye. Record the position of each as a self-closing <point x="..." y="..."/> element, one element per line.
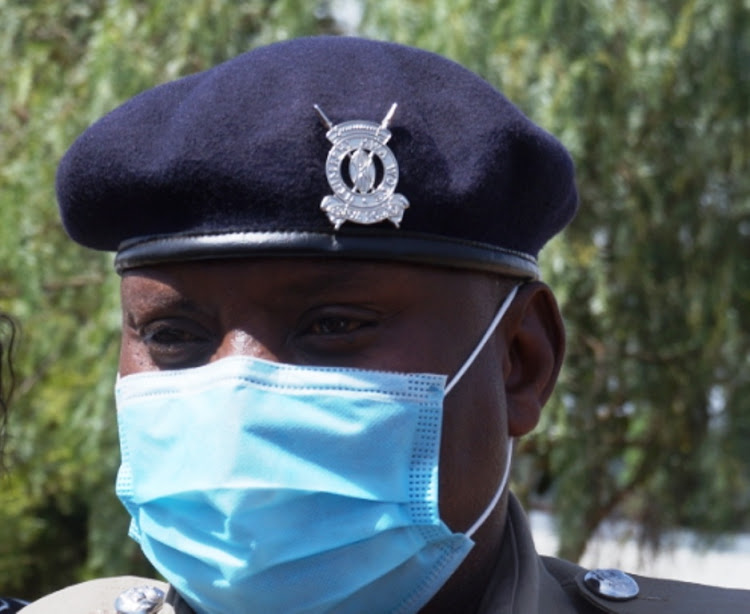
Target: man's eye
<point x="335" y="325"/>
<point x="176" y="345"/>
<point x="167" y="335"/>
<point x="335" y="338"/>
<point x="336" y="332"/>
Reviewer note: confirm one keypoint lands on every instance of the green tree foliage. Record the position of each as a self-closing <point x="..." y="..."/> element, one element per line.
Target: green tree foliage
<point x="651" y="419"/>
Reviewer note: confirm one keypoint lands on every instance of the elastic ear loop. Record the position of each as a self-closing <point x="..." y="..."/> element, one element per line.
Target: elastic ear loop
<point x="498" y="493"/>
<point x="457" y="377"/>
<point x="483" y="341"/>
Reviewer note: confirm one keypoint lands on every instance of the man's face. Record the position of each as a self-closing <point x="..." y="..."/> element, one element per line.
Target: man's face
<point x="368" y="315"/>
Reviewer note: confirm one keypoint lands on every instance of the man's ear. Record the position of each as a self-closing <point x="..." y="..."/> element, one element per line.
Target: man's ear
<point x="534" y="349"/>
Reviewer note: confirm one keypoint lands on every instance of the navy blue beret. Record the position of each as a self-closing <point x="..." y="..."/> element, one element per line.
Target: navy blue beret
<point x="324" y="146"/>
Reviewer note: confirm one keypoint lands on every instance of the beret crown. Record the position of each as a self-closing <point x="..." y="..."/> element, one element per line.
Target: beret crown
<point x="231" y="162"/>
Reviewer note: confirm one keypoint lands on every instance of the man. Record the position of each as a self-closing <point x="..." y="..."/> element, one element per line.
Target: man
<point x="333" y="329"/>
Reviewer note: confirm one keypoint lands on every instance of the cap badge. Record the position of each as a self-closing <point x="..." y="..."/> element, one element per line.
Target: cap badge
<point x="611" y="584"/>
<point x="140" y="600"/>
<point x="362" y="172"/>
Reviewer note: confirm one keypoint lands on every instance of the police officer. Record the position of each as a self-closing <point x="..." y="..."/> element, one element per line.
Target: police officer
<point x="333" y="330"/>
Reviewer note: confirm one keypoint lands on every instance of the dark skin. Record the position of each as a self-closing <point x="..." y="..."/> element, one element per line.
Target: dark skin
<point x="371" y="315"/>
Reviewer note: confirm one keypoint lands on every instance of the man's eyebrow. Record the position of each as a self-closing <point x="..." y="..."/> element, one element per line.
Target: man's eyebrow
<point x="167" y="298"/>
<point x="327" y="279"/>
<point x="179" y="303"/>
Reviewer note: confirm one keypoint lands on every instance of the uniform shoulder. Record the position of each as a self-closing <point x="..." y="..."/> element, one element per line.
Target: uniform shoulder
<point x="96" y="596"/>
<point x="668" y="596"/>
<point x="9" y="605"/>
<point x="645" y="595"/>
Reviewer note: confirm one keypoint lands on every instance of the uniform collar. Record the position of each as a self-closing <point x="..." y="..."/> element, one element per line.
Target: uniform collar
<point x="521" y="584"/>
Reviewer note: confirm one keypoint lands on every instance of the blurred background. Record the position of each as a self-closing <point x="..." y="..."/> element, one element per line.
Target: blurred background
<point x="647" y="438"/>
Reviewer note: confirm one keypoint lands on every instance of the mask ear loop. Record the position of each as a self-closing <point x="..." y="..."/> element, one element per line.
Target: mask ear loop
<point x="457" y="377"/>
<point x="498" y="493"/>
<point x="483" y="341"/>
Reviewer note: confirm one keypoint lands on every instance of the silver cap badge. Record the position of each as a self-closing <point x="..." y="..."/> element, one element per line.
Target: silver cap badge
<point x="611" y="584"/>
<point x="362" y="172"/>
<point x="140" y="600"/>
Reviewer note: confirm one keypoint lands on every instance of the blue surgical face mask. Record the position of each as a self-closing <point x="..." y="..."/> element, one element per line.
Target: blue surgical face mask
<point x="262" y="487"/>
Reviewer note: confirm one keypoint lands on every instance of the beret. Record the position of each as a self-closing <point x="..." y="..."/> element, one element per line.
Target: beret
<point x="326" y="146"/>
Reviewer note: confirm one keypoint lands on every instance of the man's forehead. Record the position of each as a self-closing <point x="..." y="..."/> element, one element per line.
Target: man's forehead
<point x="304" y="274"/>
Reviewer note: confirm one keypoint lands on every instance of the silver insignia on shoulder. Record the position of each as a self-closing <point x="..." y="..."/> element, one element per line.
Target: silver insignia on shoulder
<point x="140" y="600"/>
<point x="611" y="584"/>
<point x="362" y="172"/>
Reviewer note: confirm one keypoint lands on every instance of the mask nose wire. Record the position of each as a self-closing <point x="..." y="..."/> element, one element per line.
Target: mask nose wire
<point x="483" y="341"/>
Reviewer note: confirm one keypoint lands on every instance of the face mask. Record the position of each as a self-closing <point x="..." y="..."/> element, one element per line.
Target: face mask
<point x="262" y="487"/>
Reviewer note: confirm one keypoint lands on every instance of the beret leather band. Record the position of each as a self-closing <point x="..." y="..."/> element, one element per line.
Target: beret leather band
<point x="358" y="244"/>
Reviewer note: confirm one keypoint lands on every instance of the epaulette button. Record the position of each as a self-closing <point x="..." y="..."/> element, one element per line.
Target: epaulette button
<point x="611" y="584"/>
<point x="140" y="600"/>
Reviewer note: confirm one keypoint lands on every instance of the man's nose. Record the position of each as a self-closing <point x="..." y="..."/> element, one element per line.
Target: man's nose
<point x="238" y="342"/>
